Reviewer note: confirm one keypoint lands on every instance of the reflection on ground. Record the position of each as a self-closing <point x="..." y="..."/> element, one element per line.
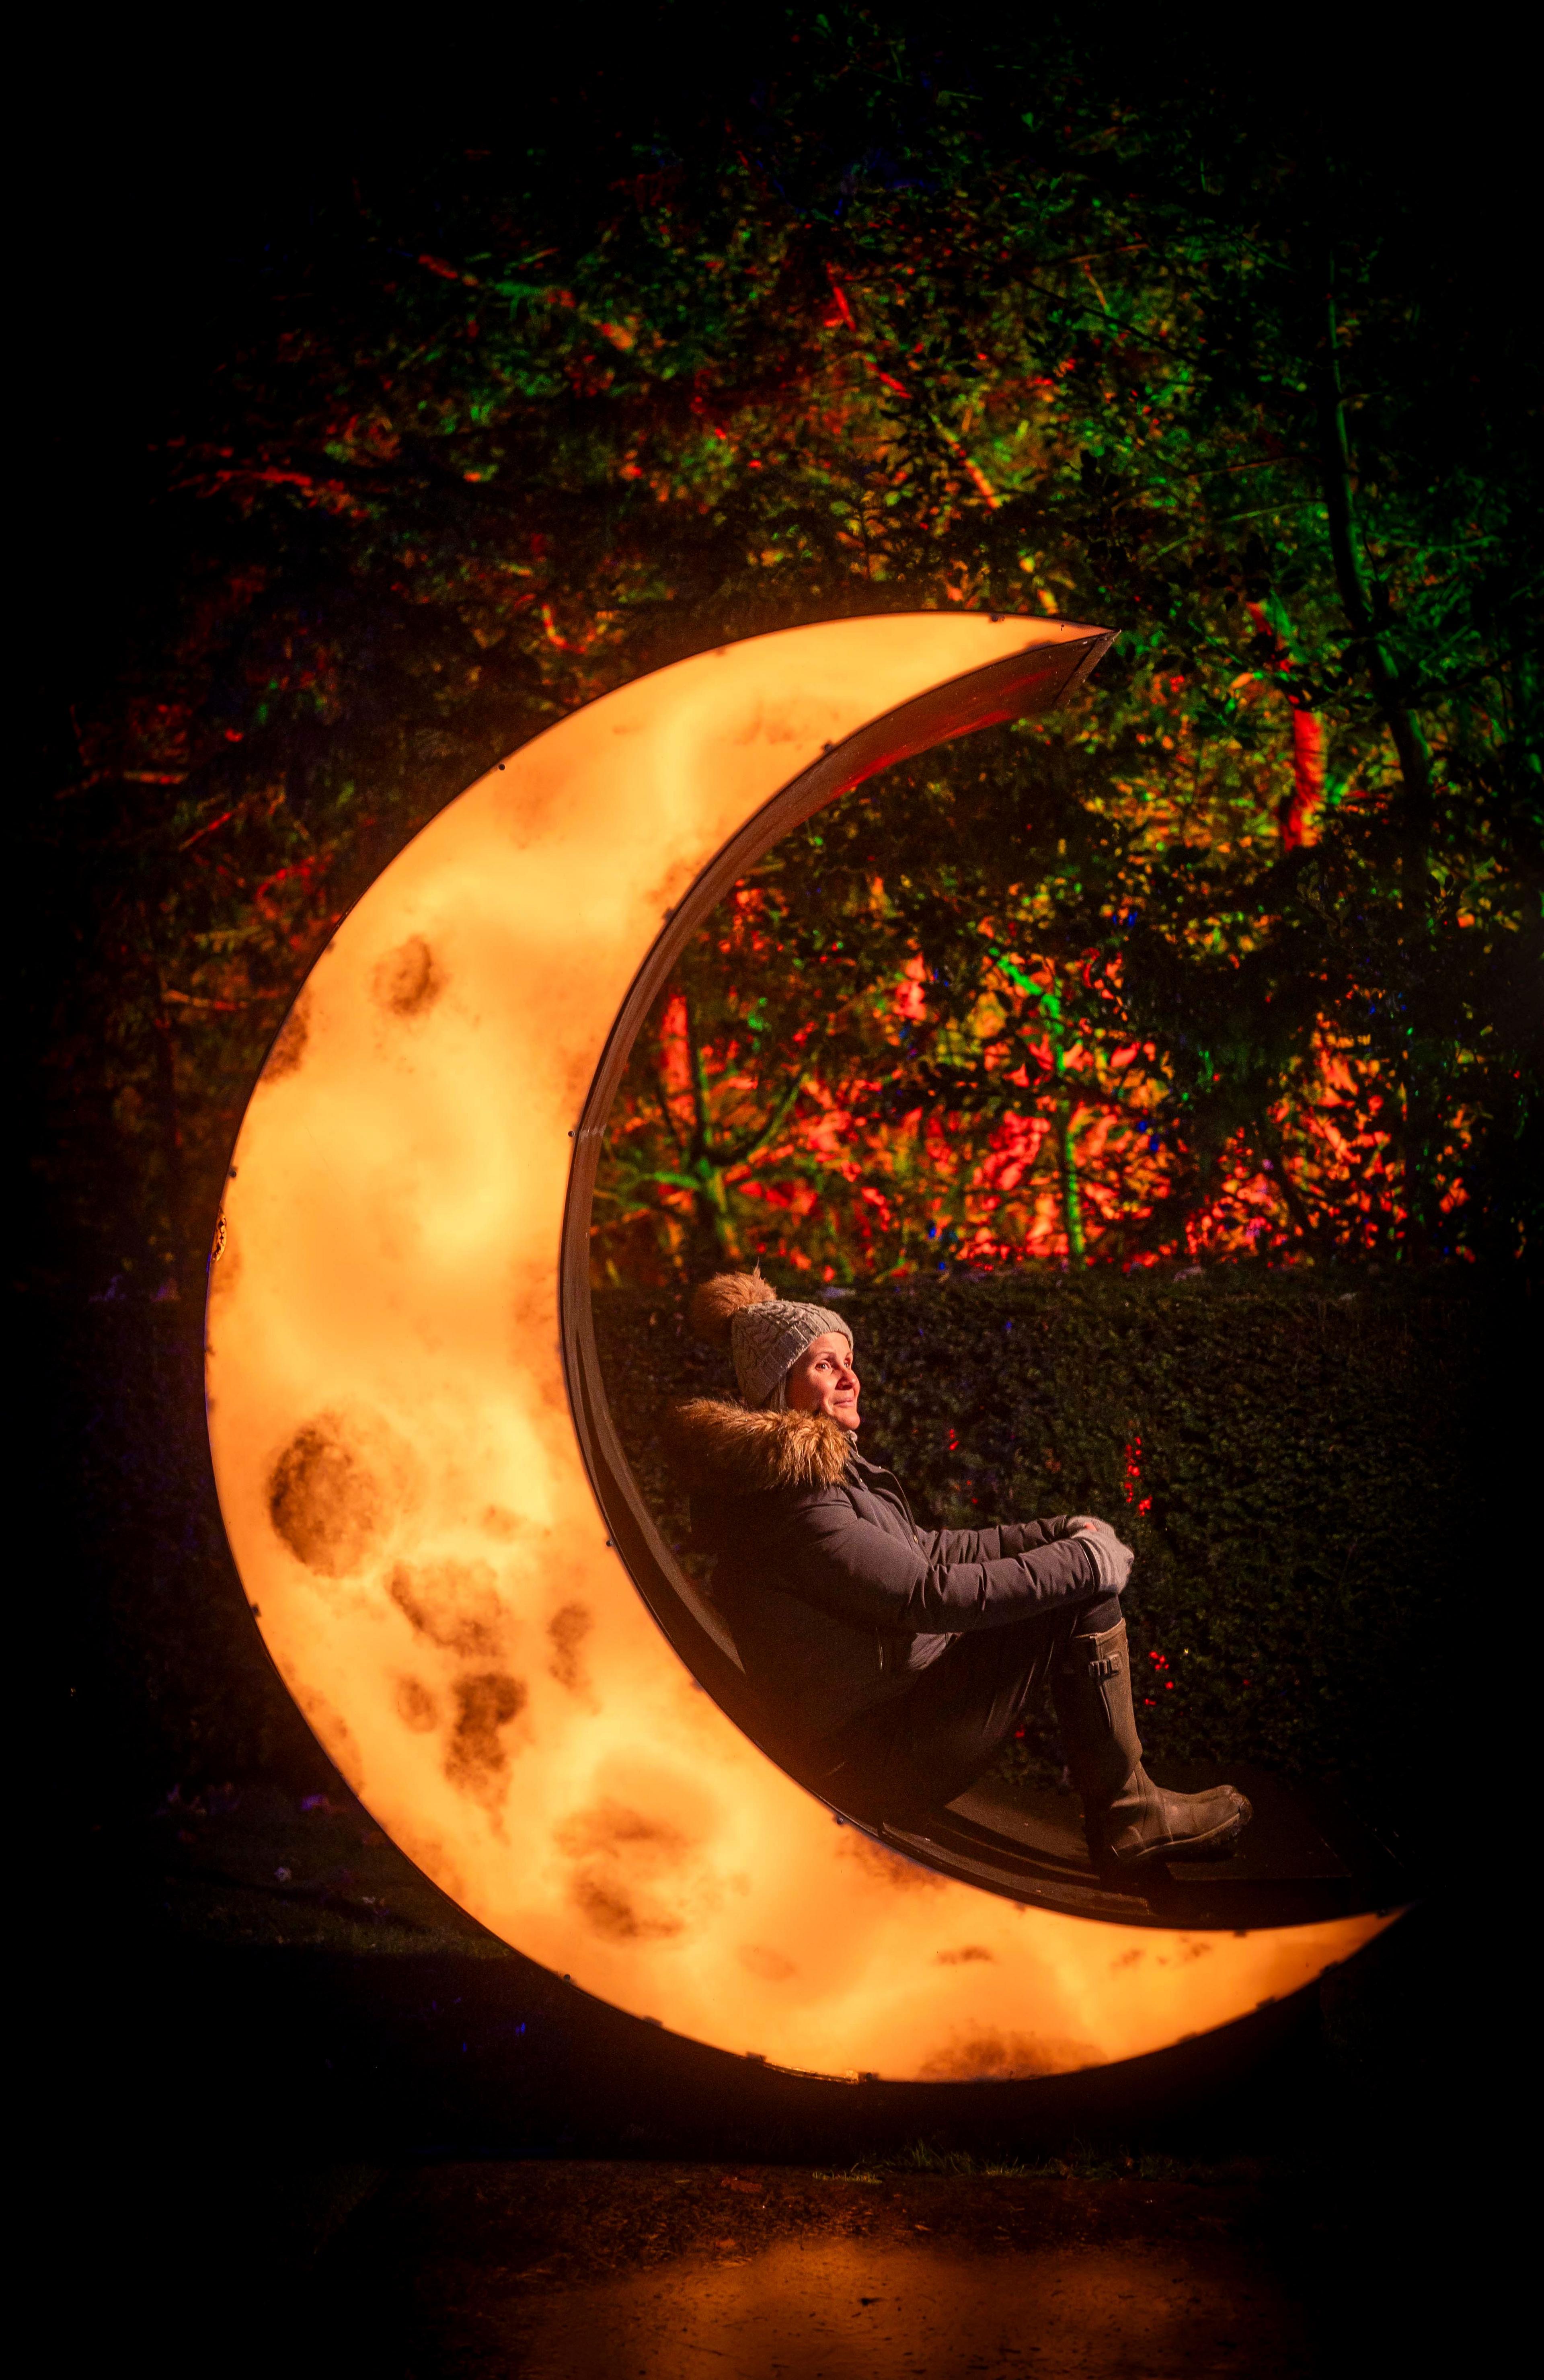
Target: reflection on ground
<point x="850" y="2310"/>
<point x="592" y="2271"/>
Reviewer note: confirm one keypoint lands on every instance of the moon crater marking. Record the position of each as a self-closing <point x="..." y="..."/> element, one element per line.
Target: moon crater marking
<point x="329" y="1501"/>
<point x="455" y="1604"/>
<point x="289" y="1048"/>
<point x="478" y="1761"/>
<point x="408" y="981"/>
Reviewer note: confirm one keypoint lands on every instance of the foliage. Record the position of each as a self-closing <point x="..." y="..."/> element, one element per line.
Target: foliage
<point x="1292" y="1465"/>
<point x="895" y="320"/>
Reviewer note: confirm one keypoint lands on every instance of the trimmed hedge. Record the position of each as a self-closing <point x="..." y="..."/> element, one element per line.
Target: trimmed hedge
<point x="1310" y="1463"/>
<point x="1294" y="1464"/>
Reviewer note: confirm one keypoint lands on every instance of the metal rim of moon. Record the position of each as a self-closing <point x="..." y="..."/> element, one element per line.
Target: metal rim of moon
<point x="403" y="1400"/>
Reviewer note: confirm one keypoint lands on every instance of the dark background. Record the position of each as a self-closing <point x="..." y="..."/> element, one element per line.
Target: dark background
<point x="226" y="2054"/>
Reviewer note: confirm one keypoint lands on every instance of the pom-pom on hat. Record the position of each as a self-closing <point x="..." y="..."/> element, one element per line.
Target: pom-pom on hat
<point x="763" y="1332"/>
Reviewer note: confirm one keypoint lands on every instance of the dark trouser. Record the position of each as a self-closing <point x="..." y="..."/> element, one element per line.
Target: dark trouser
<point x="915" y="1754"/>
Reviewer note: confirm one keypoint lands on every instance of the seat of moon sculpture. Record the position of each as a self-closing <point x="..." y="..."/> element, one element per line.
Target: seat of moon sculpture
<point x="1300" y="1858"/>
<point x="1303" y="1858"/>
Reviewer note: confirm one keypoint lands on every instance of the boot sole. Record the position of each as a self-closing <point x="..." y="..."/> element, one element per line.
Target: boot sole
<point x="1210" y="1846"/>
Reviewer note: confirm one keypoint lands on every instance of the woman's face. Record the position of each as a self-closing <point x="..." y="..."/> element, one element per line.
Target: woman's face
<point x="823" y="1381"/>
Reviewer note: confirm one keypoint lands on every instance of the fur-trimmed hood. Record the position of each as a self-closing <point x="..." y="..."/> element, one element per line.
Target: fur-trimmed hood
<point x="734" y="1450"/>
<point x="834" y="1596"/>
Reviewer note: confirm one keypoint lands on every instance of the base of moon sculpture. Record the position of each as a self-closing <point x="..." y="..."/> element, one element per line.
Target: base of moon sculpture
<point x="440" y="1540"/>
<point x="1305" y="1856"/>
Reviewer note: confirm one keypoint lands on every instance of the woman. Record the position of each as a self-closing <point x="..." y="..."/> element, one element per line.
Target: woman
<point x="893" y="1662"/>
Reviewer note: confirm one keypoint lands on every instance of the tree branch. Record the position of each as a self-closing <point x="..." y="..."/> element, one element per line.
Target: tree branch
<point x="760" y="1135"/>
<point x="1357" y="595"/>
<point x="699" y="1080"/>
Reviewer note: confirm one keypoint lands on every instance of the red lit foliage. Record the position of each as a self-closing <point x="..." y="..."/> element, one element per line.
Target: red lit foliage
<point x="1237" y="957"/>
<point x="1083" y="1003"/>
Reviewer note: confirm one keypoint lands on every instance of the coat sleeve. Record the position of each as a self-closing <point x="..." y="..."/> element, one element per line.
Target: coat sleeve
<point x="857" y="1571"/>
<point x="990" y="1545"/>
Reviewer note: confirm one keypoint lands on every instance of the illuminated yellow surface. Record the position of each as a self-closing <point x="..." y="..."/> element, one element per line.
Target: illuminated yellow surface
<point x="401" y="1482"/>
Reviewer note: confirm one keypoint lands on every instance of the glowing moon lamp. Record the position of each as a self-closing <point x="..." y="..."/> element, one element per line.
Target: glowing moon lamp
<point x="398" y="1453"/>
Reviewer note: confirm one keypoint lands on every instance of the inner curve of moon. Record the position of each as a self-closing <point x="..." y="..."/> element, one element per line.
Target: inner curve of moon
<point x="401" y="1481"/>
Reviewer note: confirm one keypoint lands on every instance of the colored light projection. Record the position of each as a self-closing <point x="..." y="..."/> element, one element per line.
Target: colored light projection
<point x="396" y="1456"/>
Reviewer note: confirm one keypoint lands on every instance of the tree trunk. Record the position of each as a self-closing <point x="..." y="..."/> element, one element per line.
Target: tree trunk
<point x="1367" y="610"/>
<point x="710" y="1195"/>
<point x="1072" y="1203"/>
<point x="1300" y="822"/>
<point x="1357" y="597"/>
<point x="714" y="1230"/>
<point x="1300" y="814"/>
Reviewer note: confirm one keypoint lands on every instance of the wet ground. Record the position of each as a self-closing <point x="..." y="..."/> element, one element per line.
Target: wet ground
<point x="327" y="2124"/>
<point x="870" y="2313"/>
<point x="591" y="2272"/>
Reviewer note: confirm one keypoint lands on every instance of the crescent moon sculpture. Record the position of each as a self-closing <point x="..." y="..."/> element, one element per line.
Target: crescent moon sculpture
<point x="426" y="1502"/>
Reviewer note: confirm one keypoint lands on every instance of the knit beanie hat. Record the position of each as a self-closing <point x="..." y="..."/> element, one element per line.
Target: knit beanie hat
<point x="764" y="1332"/>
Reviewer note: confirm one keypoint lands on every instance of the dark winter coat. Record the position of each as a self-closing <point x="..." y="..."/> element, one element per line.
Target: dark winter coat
<point x="835" y="1599"/>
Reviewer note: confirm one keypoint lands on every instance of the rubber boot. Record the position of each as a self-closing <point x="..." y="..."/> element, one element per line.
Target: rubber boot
<point x="1129" y="1821"/>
